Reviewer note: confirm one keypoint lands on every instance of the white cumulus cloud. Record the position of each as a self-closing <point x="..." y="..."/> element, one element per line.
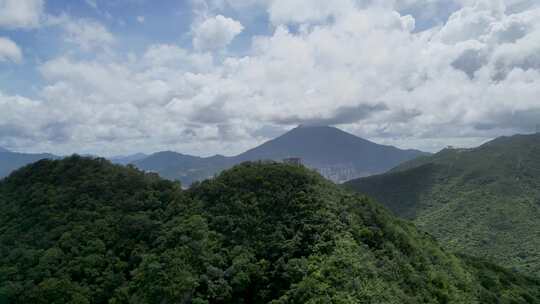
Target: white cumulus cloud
<point x="20" y="13"/>
<point x="215" y="33"/>
<point x="87" y="34"/>
<point x="362" y="66"/>
<point x="9" y="51"/>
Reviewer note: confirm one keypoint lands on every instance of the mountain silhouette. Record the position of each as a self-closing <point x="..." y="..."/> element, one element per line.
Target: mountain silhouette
<point x="337" y="155"/>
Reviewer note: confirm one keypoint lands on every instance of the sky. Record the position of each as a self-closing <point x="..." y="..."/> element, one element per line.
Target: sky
<point x="204" y="77"/>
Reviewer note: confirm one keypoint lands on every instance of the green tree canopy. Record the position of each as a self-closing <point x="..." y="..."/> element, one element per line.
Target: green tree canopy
<point x="82" y="230"/>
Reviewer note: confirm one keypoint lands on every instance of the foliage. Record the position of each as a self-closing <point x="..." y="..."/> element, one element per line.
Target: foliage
<point x="483" y="202"/>
<point x="81" y="230"/>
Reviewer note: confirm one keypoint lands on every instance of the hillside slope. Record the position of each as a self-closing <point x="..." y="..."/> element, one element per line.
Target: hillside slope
<point x="483" y="201"/>
<point x="337" y="155"/>
<point x="85" y="231"/>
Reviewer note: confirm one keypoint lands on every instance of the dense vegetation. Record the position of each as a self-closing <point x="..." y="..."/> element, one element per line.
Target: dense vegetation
<point x="82" y="230"/>
<point x="484" y="201"/>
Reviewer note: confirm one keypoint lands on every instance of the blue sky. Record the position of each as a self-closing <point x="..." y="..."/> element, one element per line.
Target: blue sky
<point x="135" y="23"/>
<point x="221" y="76"/>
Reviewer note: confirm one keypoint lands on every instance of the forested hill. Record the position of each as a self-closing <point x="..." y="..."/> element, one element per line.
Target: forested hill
<point x="82" y="230"/>
<point x="483" y="201"/>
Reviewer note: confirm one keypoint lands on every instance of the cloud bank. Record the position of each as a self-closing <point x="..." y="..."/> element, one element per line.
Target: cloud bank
<point x="412" y="73"/>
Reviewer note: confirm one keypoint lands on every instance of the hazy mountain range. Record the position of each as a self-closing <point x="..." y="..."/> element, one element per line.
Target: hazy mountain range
<point x="337" y="155"/>
<point x="10" y="161"/>
<point x="483" y="201"/>
<point x="128" y="159"/>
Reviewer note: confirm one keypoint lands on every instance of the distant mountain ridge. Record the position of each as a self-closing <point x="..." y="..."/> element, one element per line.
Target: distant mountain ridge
<point x="2" y="150"/>
<point x="483" y="201"/>
<point x="127" y="159"/>
<point x="336" y="154"/>
<point x="10" y="161"/>
<point x="186" y="168"/>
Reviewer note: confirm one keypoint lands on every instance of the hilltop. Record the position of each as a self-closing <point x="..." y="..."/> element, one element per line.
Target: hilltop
<point x="82" y="230"/>
<point x="483" y="201"/>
